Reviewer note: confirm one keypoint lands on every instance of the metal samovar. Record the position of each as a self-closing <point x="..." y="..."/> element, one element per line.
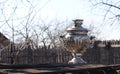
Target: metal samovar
<point x="77" y="41"/>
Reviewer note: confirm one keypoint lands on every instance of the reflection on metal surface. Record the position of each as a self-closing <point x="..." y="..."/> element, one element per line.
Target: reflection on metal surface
<point x="77" y="41"/>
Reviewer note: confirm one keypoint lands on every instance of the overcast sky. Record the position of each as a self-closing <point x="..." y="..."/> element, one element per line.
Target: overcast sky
<point x="61" y="9"/>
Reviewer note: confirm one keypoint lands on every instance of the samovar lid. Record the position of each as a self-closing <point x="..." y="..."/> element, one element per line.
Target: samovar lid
<point x="77" y="26"/>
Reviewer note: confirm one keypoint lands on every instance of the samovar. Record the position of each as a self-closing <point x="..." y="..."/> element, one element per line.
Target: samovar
<point x="77" y="41"/>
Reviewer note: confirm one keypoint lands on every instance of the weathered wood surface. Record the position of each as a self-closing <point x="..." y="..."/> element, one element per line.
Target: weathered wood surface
<point x="60" y="69"/>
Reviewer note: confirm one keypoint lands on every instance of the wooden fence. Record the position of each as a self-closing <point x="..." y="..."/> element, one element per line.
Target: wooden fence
<point x="104" y="52"/>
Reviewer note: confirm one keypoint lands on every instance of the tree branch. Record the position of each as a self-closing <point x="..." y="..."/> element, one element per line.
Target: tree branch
<point x="111" y="5"/>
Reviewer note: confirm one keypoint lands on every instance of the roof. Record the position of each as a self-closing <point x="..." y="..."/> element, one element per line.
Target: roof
<point x="4" y="41"/>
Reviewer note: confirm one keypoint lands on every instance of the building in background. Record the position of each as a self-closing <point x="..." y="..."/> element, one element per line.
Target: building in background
<point x="4" y="41"/>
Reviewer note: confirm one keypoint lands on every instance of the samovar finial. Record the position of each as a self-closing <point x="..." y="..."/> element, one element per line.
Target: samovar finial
<point x="78" y="22"/>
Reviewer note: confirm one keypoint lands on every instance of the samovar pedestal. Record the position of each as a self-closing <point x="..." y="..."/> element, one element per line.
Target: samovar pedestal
<point x="77" y="59"/>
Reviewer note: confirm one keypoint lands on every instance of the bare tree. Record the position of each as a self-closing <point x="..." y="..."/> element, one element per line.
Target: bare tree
<point x="48" y="33"/>
<point x="29" y="29"/>
<point x="10" y="17"/>
<point x="110" y="8"/>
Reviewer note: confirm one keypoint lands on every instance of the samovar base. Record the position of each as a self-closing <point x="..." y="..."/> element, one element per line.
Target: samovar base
<point x="77" y="59"/>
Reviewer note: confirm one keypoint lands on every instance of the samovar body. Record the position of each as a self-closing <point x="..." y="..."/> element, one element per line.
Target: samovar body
<point x="77" y="41"/>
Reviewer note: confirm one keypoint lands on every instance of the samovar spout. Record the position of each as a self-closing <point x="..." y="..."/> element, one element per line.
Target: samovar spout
<point x="62" y="37"/>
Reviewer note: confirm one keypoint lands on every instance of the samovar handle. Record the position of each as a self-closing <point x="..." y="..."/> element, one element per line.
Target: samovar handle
<point x="92" y="40"/>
